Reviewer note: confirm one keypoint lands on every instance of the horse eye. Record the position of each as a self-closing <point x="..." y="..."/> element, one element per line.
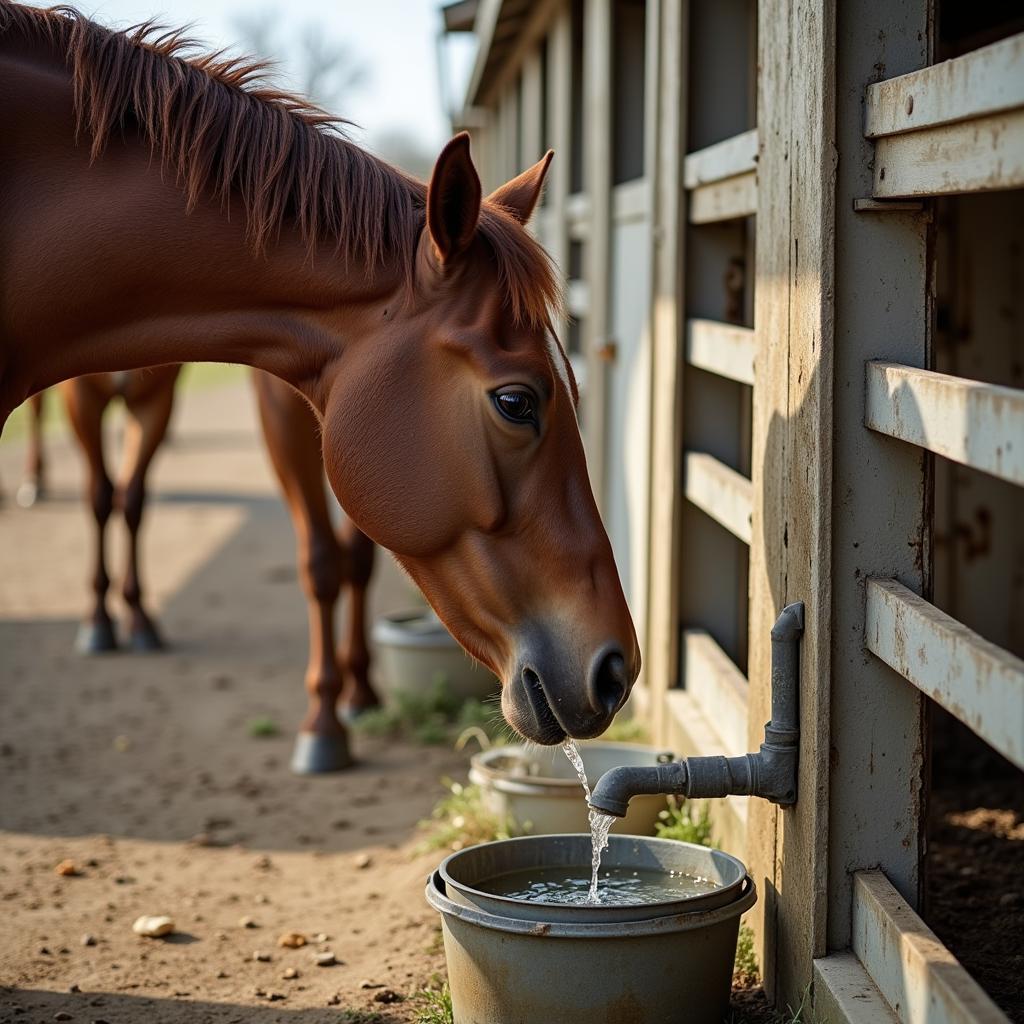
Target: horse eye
<point x="517" y="405"/>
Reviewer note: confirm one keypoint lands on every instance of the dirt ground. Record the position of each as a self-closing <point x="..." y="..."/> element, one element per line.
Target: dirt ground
<point x="974" y="897"/>
<point x="142" y="770"/>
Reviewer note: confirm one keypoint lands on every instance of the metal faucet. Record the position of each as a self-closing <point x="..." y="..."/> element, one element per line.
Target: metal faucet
<point x="770" y="773"/>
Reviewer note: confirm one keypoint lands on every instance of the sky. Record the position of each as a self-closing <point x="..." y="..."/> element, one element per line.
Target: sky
<point x="395" y="40"/>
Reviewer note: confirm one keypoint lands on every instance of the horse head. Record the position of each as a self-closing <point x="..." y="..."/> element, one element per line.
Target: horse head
<point x="451" y="438"/>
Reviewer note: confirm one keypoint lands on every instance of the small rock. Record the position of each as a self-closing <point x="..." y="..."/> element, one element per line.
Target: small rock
<point x="292" y="940"/>
<point x="387" y="995"/>
<point x="247" y="922"/>
<point x="88" y="940"/>
<point x="222" y="974"/>
<point x="1009" y="899"/>
<point x="153" y="926"/>
<point x="74" y="988"/>
<point x="371" y="984"/>
<point x="289" y="973"/>
<point x="263" y="863"/>
<point x="67" y="868"/>
<point x="100" y="1020"/>
<point x="363" y="861"/>
<point x="320" y="937"/>
<point x="261" y="957"/>
<point x="263" y="899"/>
<point x="61" y="1015"/>
<point x="325" y="959"/>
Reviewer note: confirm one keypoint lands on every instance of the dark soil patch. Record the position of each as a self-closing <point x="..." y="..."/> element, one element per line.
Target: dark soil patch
<point x="975" y="884"/>
<point x="974" y="871"/>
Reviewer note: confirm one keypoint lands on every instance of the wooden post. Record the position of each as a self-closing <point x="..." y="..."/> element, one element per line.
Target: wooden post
<point x="597" y="172"/>
<point x="880" y="514"/>
<point x="791" y="465"/>
<point x="668" y="232"/>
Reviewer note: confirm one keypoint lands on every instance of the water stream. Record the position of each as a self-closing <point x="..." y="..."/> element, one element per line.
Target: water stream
<point x="600" y="824"/>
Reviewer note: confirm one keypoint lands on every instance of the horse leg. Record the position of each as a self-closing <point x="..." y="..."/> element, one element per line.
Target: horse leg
<point x="33" y="487"/>
<point x="85" y="403"/>
<point x="149" y="412"/>
<point x="354" y="656"/>
<point x="291" y="431"/>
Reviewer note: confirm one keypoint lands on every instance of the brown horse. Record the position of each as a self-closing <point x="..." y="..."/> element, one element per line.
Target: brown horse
<point x="33" y="487"/>
<point x="328" y="560"/>
<point x="416" y="320"/>
<point x="148" y="396"/>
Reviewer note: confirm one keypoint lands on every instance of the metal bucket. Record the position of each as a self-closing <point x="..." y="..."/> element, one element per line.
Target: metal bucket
<point x="414" y="650"/>
<point x="536" y="789"/>
<point x="517" y="962"/>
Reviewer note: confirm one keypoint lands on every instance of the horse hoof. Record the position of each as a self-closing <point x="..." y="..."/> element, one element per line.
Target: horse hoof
<point x="30" y="492"/>
<point x="95" y="638"/>
<point x="316" y="753"/>
<point x="146" y="640"/>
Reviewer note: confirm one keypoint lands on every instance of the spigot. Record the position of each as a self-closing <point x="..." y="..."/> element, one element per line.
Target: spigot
<point x="771" y="773"/>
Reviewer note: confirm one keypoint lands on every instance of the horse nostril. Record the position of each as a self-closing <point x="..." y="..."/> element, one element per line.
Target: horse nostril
<point x="609" y="684"/>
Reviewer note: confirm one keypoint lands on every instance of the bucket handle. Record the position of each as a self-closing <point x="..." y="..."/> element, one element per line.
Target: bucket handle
<point x="438" y="898"/>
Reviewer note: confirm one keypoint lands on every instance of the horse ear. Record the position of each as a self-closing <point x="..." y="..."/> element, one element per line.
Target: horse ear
<point x="453" y="199"/>
<point x="519" y="196"/>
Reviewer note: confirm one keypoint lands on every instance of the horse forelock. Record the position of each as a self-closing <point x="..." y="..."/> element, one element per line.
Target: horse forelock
<point x="223" y="128"/>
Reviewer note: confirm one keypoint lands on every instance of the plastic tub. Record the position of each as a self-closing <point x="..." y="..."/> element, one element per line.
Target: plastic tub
<point x="537" y="791"/>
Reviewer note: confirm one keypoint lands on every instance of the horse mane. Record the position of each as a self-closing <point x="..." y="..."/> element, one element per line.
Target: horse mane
<point x="222" y="128"/>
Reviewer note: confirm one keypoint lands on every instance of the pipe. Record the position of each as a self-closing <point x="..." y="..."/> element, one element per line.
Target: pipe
<point x="771" y="773"/>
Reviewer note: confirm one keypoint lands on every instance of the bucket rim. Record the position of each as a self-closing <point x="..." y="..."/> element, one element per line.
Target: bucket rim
<point x="561" y="787"/>
<point x="437" y="896"/>
<point x="662" y="906"/>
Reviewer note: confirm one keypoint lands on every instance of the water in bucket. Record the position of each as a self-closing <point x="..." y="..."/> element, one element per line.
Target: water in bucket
<point x="620" y="886"/>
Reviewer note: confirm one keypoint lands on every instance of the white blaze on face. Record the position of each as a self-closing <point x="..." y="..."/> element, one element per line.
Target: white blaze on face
<point x="560" y="364"/>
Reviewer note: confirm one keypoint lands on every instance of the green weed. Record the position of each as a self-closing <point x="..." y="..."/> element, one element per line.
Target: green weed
<point x="626" y="730"/>
<point x="678" y="822"/>
<point x="263" y="726"/>
<point x="745" y="970"/>
<point x="435" y="1005"/>
<point x="460" y="819"/>
<point x="431" y="716"/>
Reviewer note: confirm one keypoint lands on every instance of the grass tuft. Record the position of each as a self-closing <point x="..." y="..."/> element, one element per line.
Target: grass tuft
<point x="626" y="730"/>
<point x="679" y="822"/>
<point x="435" y="1004"/>
<point x="460" y="819"/>
<point x="745" y="970"/>
<point x="431" y="716"/>
<point x="262" y="727"/>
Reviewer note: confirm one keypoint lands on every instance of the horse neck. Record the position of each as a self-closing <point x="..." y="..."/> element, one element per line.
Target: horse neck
<point x="103" y="268"/>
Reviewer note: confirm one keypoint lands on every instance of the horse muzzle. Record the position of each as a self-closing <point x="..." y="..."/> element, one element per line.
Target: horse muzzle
<point x="549" y="696"/>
